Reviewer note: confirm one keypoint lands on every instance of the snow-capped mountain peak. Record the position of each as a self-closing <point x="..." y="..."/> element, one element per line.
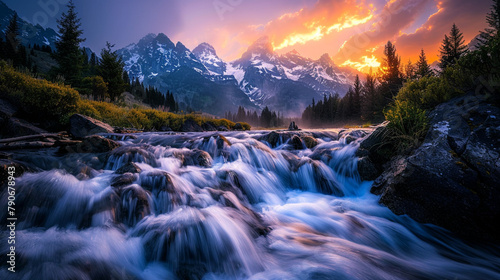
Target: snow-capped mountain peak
<point x="155" y="54"/>
<point x="285" y="83"/>
<point x="207" y="55"/>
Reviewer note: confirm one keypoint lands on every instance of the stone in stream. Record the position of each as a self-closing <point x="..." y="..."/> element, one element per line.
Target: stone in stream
<point x="309" y="141"/>
<point x="81" y="126"/>
<point x="293" y="126"/>
<point x="194" y="157"/>
<point x="129" y="168"/>
<point x="296" y="143"/>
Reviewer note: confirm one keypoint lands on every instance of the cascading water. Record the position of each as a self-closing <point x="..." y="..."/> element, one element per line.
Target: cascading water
<point x="193" y="206"/>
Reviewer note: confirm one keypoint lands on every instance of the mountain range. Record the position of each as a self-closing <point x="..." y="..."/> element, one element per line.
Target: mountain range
<point x="203" y="81"/>
<point x="30" y="34"/>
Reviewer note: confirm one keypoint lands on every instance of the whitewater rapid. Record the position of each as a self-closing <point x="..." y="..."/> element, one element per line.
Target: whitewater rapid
<point x="202" y="206"/>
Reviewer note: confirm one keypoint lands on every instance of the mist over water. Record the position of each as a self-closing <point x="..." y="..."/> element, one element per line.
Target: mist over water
<point x="206" y="208"/>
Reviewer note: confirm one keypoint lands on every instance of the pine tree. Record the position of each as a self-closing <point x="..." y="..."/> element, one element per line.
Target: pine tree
<point x="356" y="98"/>
<point x="126" y="80"/>
<point x="410" y="70"/>
<point x="493" y="20"/>
<point x="110" y="68"/>
<point x="369" y="101"/>
<point x="68" y="55"/>
<point x="423" y="69"/>
<point x="453" y="47"/>
<point x="265" y="117"/>
<point x="12" y="41"/>
<point x="390" y="73"/>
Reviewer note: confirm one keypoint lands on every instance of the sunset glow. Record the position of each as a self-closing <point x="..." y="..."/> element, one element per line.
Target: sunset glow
<point x="353" y="21"/>
<point x="365" y="65"/>
<point x="302" y="39"/>
<point x="352" y="32"/>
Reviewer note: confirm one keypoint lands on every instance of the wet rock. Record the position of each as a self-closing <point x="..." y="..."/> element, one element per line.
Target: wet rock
<point x="129" y="168"/>
<point x="135" y="204"/>
<point x="81" y="126"/>
<point x="222" y="128"/>
<point x="209" y="126"/>
<point x="190" y="125"/>
<point x="272" y="138"/>
<point x="91" y="144"/>
<point x="293" y="126"/>
<point x="367" y="170"/>
<point x="352" y="135"/>
<point x="277" y="138"/>
<point x="310" y="141"/>
<point x="292" y="159"/>
<point x="123" y="180"/>
<point x="324" y="155"/>
<point x="373" y="153"/>
<point x="125" y="154"/>
<point x="451" y="180"/>
<point x="296" y="143"/>
<point x="166" y="195"/>
<point x="194" y="157"/>
<point x="222" y="141"/>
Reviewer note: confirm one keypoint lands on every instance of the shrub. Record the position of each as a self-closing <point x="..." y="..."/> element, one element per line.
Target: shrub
<point x="40" y="99"/>
<point x="408" y="125"/>
<point x="138" y="120"/>
<point x="86" y="108"/>
<point x="427" y="92"/>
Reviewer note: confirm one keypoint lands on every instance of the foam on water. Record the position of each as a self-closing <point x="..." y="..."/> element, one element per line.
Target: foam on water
<point x="248" y="211"/>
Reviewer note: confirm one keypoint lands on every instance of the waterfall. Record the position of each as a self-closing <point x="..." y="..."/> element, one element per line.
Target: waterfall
<point x="232" y="206"/>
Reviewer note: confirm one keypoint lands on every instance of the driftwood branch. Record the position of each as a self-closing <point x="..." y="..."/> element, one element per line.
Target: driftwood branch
<point x="26" y="145"/>
<point x="30" y="137"/>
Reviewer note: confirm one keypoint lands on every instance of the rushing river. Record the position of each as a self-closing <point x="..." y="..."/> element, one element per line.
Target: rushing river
<point x="203" y="207"/>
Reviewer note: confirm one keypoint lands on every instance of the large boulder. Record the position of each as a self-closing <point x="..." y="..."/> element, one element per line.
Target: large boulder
<point x="81" y="126"/>
<point x="309" y="141"/>
<point x="452" y="179"/>
<point x="373" y="153"/>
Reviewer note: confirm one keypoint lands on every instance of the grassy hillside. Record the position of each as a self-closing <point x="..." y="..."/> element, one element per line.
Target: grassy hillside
<point x="54" y="103"/>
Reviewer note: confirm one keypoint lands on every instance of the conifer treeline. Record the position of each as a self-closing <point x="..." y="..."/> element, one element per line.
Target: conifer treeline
<point x="101" y="79"/>
<point x="152" y="96"/>
<point x="267" y="118"/>
<point x="11" y="48"/>
<point x="365" y="101"/>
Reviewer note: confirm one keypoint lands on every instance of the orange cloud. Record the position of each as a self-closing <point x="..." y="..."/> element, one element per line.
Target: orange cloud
<point x="367" y="64"/>
<point x="325" y="18"/>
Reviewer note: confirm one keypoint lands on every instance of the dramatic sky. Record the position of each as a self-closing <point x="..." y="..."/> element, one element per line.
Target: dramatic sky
<point x="353" y="32"/>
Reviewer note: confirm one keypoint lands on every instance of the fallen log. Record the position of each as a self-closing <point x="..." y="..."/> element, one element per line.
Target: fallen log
<point x="26" y="145"/>
<point x="30" y="137"/>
